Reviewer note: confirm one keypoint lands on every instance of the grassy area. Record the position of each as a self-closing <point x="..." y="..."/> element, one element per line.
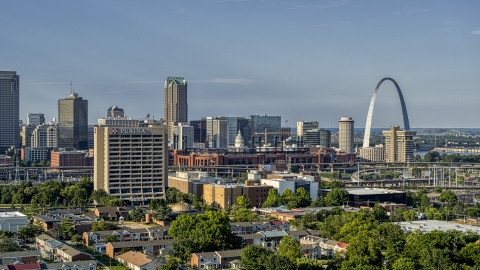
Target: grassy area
<point x="110" y="263"/>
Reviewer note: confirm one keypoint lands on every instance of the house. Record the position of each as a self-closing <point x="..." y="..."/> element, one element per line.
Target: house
<point x="325" y="246"/>
<point x="242" y="227"/>
<point x="51" y="220"/>
<point x="28" y="256"/>
<point x="111" y="213"/>
<point x="78" y="265"/>
<point x="227" y="259"/>
<point x="53" y="249"/>
<point x="127" y="234"/>
<point x="298" y="234"/>
<point x="310" y="251"/>
<point x="21" y="266"/>
<point x="279" y="226"/>
<point x="136" y="261"/>
<point x="161" y="247"/>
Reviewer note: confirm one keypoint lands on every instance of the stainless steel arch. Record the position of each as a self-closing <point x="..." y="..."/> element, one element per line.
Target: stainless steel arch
<point x="368" y="126"/>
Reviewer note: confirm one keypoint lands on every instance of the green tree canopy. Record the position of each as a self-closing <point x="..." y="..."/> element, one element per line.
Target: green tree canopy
<point x="336" y="197"/>
<point x="255" y="257"/>
<point x="273" y="199"/>
<point x="289" y="247"/>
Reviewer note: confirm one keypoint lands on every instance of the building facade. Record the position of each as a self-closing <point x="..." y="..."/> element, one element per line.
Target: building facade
<point x="376" y="153"/>
<point x="217" y="132"/>
<point x="115" y="111"/>
<point x="35" y="119"/>
<point x="303" y="126"/>
<point x="259" y="124"/>
<point x="175" y="106"/>
<point x="399" y="144"/>
<point x="34" y="154"/>
<point x="183" y="136"/>
<point x="131" y="163"/>
<point x="199" y="130"/>
<point x="73" y="122"/>
<point x="346" y="134"/>
<point x="66" y="157"/>
<point x="45" y="136"/>
<point x="9" y="109"/>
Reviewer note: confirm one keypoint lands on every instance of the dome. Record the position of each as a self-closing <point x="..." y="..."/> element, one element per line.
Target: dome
<point x="181" y="207"/>
<point x="239" y="140"/>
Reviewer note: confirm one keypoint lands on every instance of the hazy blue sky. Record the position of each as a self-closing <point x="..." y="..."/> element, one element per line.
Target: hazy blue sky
<point x="303" y="60"/>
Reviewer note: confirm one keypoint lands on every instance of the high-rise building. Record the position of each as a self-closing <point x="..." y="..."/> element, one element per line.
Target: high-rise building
<point x="115" y="111"/>
<point x="73" y="122"/>
<point x="175" y="106"/>
<point x="45" y="136"/>
<point x="183" y="136"/>
<point x="217" y="132"/>
<point x="199" y="130"/>
<point x="9" y="109"/>
<point x="376" y="153"/>
<point x="399" y="144"/>
<point x="131" y="162"/>
<point x="26" y="132"/>
<point x="346" y="134"/>
<point x="35" y="119"/>
<point x="303" y="126"/>
<point x="259" y="124"/>
<point x="318" y="137"/>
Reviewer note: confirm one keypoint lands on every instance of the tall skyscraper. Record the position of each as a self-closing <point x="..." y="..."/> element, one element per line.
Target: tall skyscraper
<point x="346" y="134"/>
<point x="399" y="144"/>
<point x="131" y="163"/>
<point x="175" y="106"/>
<point x="73" y="122"/>
<point x="259" y="124"/>
<point x="9" y="109"/>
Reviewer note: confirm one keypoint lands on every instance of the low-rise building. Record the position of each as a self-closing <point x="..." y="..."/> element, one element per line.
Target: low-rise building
<point x="12" y="221"/>
<point x="78" y="265"/>
<point x="226" y="259"/>
<point x="69" y="157"/>
<point x="155" y="247"/>
<point x="371" y="196"/>
<point x="28" y="256"/>
<point x="225" y="195"/>
<point x="127" y="234"/>
<point x="136" y="261"/>
<point x="53" y="249"/>
<point x="34" y="154"/>
<point x="281" y="182"/>
<point x="111" y="213"/>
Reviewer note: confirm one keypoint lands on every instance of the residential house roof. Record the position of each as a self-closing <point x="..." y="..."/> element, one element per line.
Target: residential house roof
<point x="25" y="253"/>
<point x="299" y="232"/>
<point x="136" y="258"/>
<point x="251" y="236"/>
<point x="26" y="266"/>
<point x="307" y="246"/>
<point x="140" y="243"/>
<point x="269" y="234"/>
<point x="81" y="264"/>
<point x="70" y="250"/>
<point x="229" y="253"/>
<point x="278" y="222"/>
<point x="342" y="245"/>
<point x="241" y="224"/>
<point x="204" y="254"/>
<point x="45" y="237"/>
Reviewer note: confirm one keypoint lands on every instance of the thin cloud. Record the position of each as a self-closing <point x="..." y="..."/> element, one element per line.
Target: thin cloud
<point x="240" y="81"/>
<point x="74" y="82"/>
<point x="476" y="32"/>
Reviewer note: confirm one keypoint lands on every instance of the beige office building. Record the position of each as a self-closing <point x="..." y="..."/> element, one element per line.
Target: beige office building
<point x="399" y="144"/>
<point x="346" y="134"/>
<point x="303" y="126"/>
<point x="376" y="153"/>
<point x="131" y="163"/>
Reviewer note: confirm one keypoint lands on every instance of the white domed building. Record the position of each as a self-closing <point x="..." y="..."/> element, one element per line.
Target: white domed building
<point x="239" y="140"/>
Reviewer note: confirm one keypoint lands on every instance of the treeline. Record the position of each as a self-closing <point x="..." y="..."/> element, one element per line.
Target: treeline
<point x="435" y="156"/>
<point x="53" y="193"/>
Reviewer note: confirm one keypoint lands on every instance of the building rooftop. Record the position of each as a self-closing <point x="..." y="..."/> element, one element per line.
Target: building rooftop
<point x="81" y="264"/>
<point x="136" y="258"/>
<point x="369" y="191"/>
<point x="431" y="225"/>
<point x="178" y="80"/>
<point x="11" y="215"/>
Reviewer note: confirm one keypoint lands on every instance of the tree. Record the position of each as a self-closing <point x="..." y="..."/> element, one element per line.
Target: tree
<point x="161" y="210"/>
<point x="137" y="214"/>
<point x="336" y="197"/>
<point x="303" y="197"/>
<point x="66" y="228"/>
<point x="103" y="226"/>
<point x="244" y="201"/>
<point x="255" y="257"/>
<point x="273" y="199"/>
<point x="379" y="213"/>
<point x="77" y="239"/>
<point x="8" y="245"/>
<point x="289" y="247"/>
<point x="308" y="264"/>
<point x="242" y="214"/>
<point x="287" y="196"/>
<point x="471" y="254"/>
<point x="472" y="212"/>
<point x="363" y="252"/>
<point x="279" y="262"/>
<point x="409" y="215"/>
<point x="111" y="238"/>
<point x="204" y="232"/>
<point x="431" y="156"/>
<point x="319" y="202"/>
<point x="404" y="264"/>
<point x="449" y="197"/>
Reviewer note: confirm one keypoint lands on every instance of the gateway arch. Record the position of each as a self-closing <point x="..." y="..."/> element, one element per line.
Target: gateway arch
<point x="368" y="126"/>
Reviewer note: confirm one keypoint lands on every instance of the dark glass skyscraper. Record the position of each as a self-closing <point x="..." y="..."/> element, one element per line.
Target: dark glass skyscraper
<point x="175" y="106"/>
<point x="9" y="109"/>
<point x="73" y="122"/>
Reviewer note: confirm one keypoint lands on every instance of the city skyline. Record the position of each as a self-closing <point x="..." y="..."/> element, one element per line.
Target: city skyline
<point x="303" y="60"/>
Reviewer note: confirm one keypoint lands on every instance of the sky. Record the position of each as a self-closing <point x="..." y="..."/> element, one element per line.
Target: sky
<point x="303" y="60"/>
